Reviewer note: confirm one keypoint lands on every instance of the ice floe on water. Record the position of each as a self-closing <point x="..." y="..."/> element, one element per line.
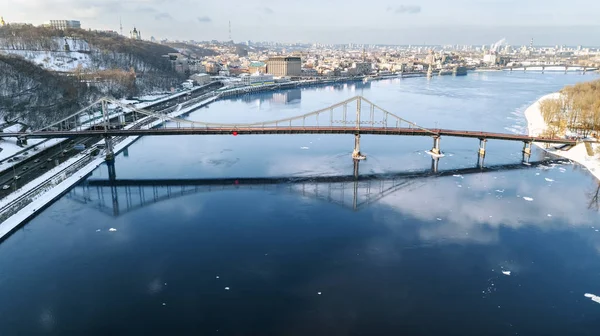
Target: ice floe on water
<point x="499" y="190"/>
<point x="458" y="175"/>
<point x="112" y="229"/>
<point x="506" y="272"/>
<point x="303" y="147"/>
<point x="528" y="199"/>
<point x="594" y="298"/>
<point x="549" y="179"/>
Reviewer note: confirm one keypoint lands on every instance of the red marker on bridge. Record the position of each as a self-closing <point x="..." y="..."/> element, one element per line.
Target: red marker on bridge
<point x="234" y="133"/>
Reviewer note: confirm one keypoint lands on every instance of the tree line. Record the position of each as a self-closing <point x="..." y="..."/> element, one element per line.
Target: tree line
<point x="576" y="110"/>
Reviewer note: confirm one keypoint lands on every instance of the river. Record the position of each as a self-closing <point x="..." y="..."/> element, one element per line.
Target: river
<point x="510" y="251"/>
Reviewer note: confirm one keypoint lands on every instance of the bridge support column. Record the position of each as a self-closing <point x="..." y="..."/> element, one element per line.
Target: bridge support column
<point x="356" y="154"/>
<point x="527" y="148"/>
<point x="482" y="143"/>
<point x="526" y="151"/>
<point x="435" y="164"/>
<point x="436" y="146"/>
<point x="480" y="162"/>
<point x="110" y="155"/>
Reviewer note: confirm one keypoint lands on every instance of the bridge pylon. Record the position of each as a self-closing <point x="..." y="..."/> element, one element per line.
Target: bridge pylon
<point x="481" y="151"/>
<point x="110" y="154"/>
<point x="526" y="151"/>
<point x="356" y="154"/>
<point x="436" y="146"/>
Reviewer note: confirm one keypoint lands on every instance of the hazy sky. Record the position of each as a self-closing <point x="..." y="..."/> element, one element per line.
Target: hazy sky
<point x="331" y="21"/>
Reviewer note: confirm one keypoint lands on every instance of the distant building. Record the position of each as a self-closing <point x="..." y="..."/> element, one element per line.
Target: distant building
<point x="362" y="68"/>
<point x="188" y="84"/>
<point x="64" y="24"/>
<point x="282" y="66"/>
<point x="257" y="79"/>
<point x="200" y="79"/>
<point x="260" y="67"/>
<point x="241" y="51"/>
<point x="135" y="34"/>
<point x="490" y="59"/>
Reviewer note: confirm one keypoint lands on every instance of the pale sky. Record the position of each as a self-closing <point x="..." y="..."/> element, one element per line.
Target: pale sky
<point x="549" y="22"/>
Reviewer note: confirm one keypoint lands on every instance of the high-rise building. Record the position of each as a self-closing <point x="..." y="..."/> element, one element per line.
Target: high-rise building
<point x="64" y="24"/>
<point x="284" y="66"/>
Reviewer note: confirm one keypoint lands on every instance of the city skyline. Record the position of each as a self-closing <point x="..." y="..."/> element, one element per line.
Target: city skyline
<point x="311" y="21"/>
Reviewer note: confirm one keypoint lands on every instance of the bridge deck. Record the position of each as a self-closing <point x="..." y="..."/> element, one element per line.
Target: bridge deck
<point x="290" y="130"/>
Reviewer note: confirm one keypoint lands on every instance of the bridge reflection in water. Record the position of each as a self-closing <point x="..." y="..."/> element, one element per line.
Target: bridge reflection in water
<point x="116" y="197"/>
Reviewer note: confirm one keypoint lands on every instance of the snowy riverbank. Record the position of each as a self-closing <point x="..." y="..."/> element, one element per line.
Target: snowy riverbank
<point x="536" y="125"/>
<point x="37" y="202"/>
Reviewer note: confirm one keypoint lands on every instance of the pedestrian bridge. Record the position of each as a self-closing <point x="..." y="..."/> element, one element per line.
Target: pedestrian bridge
<point x="355" y="116"/>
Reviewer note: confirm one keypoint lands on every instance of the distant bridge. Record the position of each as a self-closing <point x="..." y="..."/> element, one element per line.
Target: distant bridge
<point x="549" y="67"/>
<point x="355" y="116"/>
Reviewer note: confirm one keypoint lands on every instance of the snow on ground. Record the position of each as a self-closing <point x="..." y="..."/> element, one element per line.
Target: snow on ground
<point x="54" y="192"/>
<point x="54" y="60"/>
<point x="153" y="97"/>
<point x="10" y="148"/>
<point x="536" y="125"/>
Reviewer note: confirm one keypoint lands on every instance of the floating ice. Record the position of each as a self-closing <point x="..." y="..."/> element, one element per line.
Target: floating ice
<point x="318" y="293"/>
<point x="164" y="304"/>
<point x="499" y="190"/>
<point x="594" y="298"/>
<point x="528" y="199"/>
<point x="98" y="230"/>
<point x="112" y="229"/>
<point x="439" y="219"/>
<point x="549" y="179"/>
<point x="217" y="276"/>
<point x="506" y="272"/>
<point x="458" y="185"/>
<point x="458" y="175"/>
<point x="549" y="215"/>
<point x="303" y="147"/>
<point x="226" y="288"/>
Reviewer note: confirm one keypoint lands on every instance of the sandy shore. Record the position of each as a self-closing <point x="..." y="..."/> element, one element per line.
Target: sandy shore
<point x="536" y="125"/>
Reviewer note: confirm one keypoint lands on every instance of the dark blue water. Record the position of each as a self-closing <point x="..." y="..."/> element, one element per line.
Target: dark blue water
<point x="393" y="255"/>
